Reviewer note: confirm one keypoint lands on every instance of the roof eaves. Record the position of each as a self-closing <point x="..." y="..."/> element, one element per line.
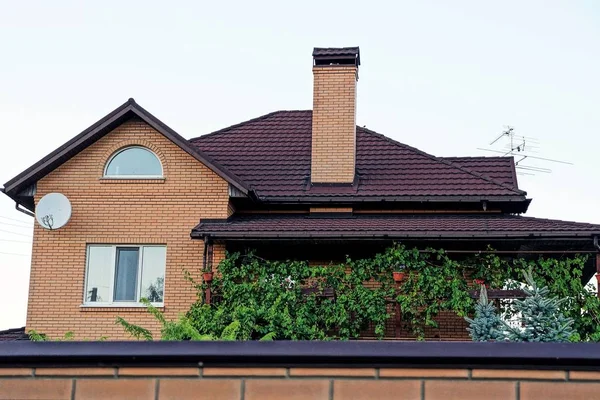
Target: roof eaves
<point x="202" y="231"/>
<point x="61" y="151"/>
<point x="351" y="198"/>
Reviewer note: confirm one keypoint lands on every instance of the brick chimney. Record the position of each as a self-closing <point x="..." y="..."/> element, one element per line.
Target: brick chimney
<point x="335" y="72"/>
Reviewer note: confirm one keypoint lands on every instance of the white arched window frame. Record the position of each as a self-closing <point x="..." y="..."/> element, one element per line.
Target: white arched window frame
<point x="124" y="150"/>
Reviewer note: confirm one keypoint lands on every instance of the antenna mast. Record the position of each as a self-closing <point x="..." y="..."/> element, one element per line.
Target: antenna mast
<point x="522" y="148"/>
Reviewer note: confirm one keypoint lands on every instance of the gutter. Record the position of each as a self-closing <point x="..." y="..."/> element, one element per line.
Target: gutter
<point x="17" y="204"/>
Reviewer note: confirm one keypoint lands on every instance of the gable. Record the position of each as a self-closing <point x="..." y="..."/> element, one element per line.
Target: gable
<point x="15" y="187"/>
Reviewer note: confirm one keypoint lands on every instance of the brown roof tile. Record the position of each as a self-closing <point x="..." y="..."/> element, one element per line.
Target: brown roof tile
<point x="272" y="155"/>
<point x="10" y="335"/>
<point x="393" y="226"/>
<point x="501" y="169"/>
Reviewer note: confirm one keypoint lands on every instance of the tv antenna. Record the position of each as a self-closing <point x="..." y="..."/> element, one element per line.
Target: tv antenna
<point x="522" y="148"/>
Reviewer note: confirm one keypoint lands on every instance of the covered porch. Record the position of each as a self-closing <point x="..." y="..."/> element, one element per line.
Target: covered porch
<point x="321" y="240"/>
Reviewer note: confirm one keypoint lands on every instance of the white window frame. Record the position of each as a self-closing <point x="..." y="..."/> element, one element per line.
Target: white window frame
<point x="111" y="289"/>
<point x="162" y="171"/>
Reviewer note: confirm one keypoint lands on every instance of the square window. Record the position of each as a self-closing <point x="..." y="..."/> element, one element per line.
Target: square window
<point x="123" y="274"/>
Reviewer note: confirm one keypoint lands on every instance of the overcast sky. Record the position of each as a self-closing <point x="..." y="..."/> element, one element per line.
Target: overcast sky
<point x="445" y="77"/>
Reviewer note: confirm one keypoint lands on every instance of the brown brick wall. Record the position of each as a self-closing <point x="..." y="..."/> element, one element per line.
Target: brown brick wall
<point x="334" y="124"/>
<point x="349" y="383"/>
<point x="119" y="212"/>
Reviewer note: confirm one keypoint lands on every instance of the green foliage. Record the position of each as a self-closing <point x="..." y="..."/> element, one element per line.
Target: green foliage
<point x="541" y="318"/>
<point x="69" y="336"/>
<point x="486" y="325"/>
<point x="264" y="298"/>
<point x="179" y="330"/>
<point x="434" y="283"/>
<point x="35" y="336"/>
<point x="563" y="278"/>
<point x="134" y="330"/>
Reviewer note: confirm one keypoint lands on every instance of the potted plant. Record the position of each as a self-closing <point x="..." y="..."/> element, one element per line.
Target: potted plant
<point x="399" y="273"/>
<point x="480" y="282"/>
<point x="207" y="276"/>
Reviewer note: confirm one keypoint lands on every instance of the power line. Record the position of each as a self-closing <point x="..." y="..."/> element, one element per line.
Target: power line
<point x="15" y="254"/>
<point x="17" y="225"/>
<point x="14" y="233"/>
<point x="15" y="241"/>
<point x="14" y="219"/>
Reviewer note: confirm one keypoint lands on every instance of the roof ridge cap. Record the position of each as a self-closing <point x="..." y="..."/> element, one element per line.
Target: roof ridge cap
<point x="463" y="157"/>
<point x="255" y="119"/>
<point x="441" y="160"/>
<point x="555" y="220"/>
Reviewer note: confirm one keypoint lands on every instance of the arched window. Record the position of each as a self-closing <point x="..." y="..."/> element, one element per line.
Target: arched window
<point x="133" y="162"/>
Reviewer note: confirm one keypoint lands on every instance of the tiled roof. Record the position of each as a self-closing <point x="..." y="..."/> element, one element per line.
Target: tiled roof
<point x="501" y="169"/>
<point x="272" y="154"/>
<point x="10" y="335"/>
<point x="393" y="226"/>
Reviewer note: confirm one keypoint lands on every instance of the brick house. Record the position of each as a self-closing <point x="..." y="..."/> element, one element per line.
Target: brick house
<point x="148" y="203"/>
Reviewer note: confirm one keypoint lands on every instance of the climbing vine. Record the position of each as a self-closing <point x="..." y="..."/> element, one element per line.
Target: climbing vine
<point x="295" y="300"/>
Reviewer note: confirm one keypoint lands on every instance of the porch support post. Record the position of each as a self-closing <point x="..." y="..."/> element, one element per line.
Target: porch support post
<point x="598" y="272"/>
<point x="397" y="314"/>
<point x="207" y="261"/>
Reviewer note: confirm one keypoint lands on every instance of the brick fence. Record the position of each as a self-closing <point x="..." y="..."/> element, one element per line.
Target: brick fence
<point x="299" y="370"/>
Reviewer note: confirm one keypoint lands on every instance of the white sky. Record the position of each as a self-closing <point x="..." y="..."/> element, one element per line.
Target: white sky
<point x="443" y="78"/>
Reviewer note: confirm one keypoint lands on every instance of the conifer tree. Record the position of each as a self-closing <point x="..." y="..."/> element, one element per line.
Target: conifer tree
<point x="486" y="325"/>
<point x="541" y="319"/>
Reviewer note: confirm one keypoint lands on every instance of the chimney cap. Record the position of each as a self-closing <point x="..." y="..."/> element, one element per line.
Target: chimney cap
<point x="336" y="55"/>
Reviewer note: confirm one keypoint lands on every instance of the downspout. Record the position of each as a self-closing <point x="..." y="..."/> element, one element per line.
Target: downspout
<point x="24" y="211"/>
<point x="597" y="246"/>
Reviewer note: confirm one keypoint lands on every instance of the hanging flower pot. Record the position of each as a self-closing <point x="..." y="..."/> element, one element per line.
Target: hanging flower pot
<point x="207" y="276"/>
<point x="482" y="282"/>
<point x="398" y="276"/>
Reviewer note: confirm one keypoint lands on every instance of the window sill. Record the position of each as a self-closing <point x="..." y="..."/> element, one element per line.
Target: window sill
<point x="119" y="307"/>
<point x="132" y="180"/>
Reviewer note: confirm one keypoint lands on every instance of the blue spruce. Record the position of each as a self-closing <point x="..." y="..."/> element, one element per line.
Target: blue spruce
<point x="541" y="319"/>
<point x="486" y="325"/>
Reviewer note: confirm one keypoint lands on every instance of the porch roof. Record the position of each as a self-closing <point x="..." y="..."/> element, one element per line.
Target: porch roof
<point x="392" y="226"/>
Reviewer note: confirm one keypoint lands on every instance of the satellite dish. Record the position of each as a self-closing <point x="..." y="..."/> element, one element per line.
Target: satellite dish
<point x="53" y="211"/>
